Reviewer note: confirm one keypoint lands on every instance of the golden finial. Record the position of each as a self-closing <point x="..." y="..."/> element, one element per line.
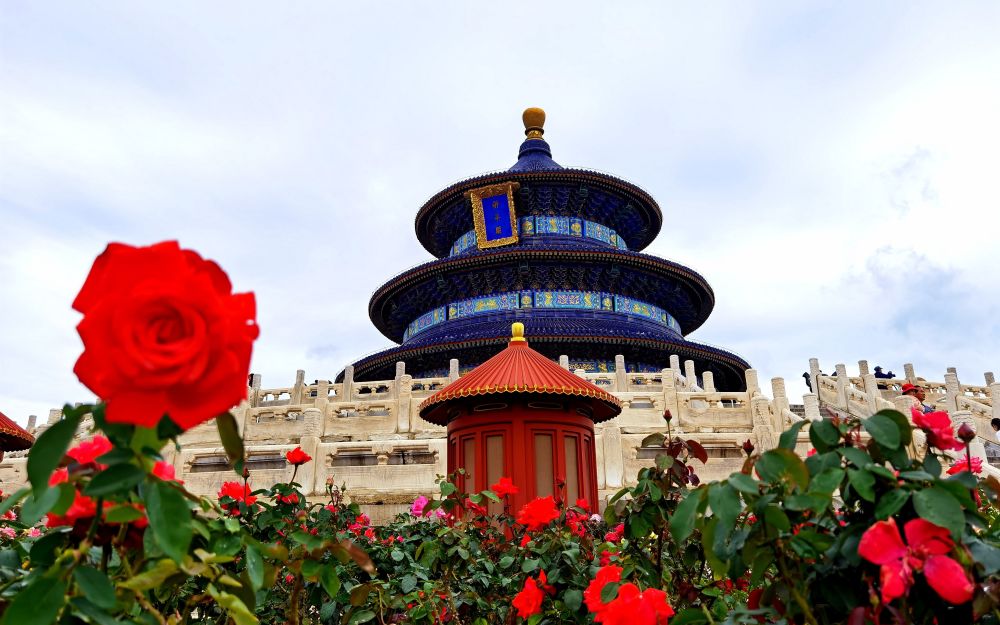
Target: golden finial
<point x="534" y="120"/>
<point x="517" y="332"/>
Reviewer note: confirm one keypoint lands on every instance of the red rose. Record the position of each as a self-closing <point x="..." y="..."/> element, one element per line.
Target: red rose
<point x="292" y="498"/>
<point x="529" y="600"/>
<point x="504" y="487"/>
<point x="297" y="456"/>
<point x="88" y="452"/>
<point x="163" y="333"/>
<point x="538" y="513"/>
<point x="166" y="472"/>
<point x="237" y="492"/>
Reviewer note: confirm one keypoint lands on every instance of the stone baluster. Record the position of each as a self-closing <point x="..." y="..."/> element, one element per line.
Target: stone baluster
<point x="989" y="378"/>
<point x="322" y="395"/>
<point x="31" y="422"/>
<point x="453" y="369"/>
<point x="952" y="389"/>
<point x="404" y="394"/>
<point x="690" y="374"/>
<point x="814" y="374"/>
<point x="564" y="362"/>
<point x="621" y="376"/>
<point x="708" y="382"/>
<point x="400" y="372"/>
<point x="55" y="415"/>
<point x="670" y="396"/>
<point x="763" y="422"/>
<point x="614" y="461"/>
<point x="871" y="391"/>
<point x="675" y="365"/>
<point x="909" y="373"/>
<point x="579" y="372"/>
<point x="952" y="370"/>
<point x="862" y="368"/>
<point x="810" y="402"/>
<point x="253" y="394"/>
<point x="904" y="404"/>
<point x="312" y="430"/>
<point x="995" y="395"/>
<point x="299" y="389"/>
<point x="780" y="403"/>
<point x="347" y="389"/>
<point x="842" y="386"/>
<point x="753" y="385"/>
<point x="976" y="447"/>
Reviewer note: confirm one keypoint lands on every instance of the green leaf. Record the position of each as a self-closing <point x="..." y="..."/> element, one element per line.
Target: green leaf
<point x="775" y="517"/>
<point x="529" y="565"/>
<point x="169" y="517"/>
<point x="409" y="582"/>
<point x="506" y="561"/>
<point x="92" y="613"/>
<point x="12" y="500"/>
<point x="573" y="598"/>
<point x="229" y="432"/>
<point x="609" y="592"/>
<point x="397" y="555"/>
<point x="932" y="465"/>
<point x="96" y="587"/>
<point x="48" y="451"/>
<point x="38" y="604"/>
<point x="683" y="520"/>
<point x="33" y="509"/>
<point x="863" y="483"/>
<point x="725" y="504"/>
<point x="902" y="423"/>
<point x="790" y="437"/>
<point x="330" y="580"/>
<point x="362" y="616"/>
<point x="827" y="481"/>
<point x="255" y="567"/>
<point x="123" y="514"/>
<point x="890" y="503"/>
<point x="782" y="465"/>
<point x="114" y="479"/>
<point x="823" y="435"/>
<point x="940" y="508"/>
<point x="857" y="457"/>
<point x="744" y="483"/>
<point x="447" y="488"/>
<point x="689" y="616"/>
<point x="883" y="429"/>
<point x="234" y="606"/>
<point x="491" y="496"/>
<point x="916" y="476"/>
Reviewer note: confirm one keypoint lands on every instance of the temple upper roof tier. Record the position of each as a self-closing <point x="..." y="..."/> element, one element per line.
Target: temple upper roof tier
<point x="682" y="293"/>
<point x="543" y="189"/>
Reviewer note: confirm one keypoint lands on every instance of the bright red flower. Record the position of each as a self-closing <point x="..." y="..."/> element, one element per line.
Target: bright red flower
<point x="297" y="457"/>
<point x="927" y="545"/>
<point x="59" y="476"/>
<point x="292" y="498"/>
<point x="166" y="472"/>
<point x="525" y="540"/>
<point x="163" y="333"/>
<point x="937" y="426"/>
<point x="583" y="504"/>
<point x="504" y="487"/>
<point x="592" y="595"/>
<point x="237" y="492"/>
<point x="963" y="465"/>
<point x="538" y="513"/>
<point x="635" y="607"/>
<point x="529" y="600"/>
<point x="83" y="507"/>
<point x="88" y="452"/>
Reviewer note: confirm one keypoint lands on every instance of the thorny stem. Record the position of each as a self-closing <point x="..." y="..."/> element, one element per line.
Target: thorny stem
<point x="293" y="603"/>
<point x="793" y="589"/>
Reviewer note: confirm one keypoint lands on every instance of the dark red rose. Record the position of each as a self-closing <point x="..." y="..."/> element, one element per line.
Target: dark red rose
<point x="163" y="333"/>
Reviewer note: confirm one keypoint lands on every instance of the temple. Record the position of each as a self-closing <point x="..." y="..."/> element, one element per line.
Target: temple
<point x="558" y="249"/>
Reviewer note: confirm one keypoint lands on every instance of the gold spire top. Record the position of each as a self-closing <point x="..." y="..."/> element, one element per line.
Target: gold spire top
<point x="517" y="333"/>
<point x="534" y="122"/>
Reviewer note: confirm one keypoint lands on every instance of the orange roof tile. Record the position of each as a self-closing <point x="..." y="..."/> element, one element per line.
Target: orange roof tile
<point x="12" y="436"/>
<point x="520" y="369"/>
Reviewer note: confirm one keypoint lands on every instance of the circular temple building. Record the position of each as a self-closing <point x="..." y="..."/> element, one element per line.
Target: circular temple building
<point x="557" y="249"/>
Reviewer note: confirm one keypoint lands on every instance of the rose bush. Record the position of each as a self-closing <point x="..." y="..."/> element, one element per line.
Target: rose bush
<point x="849" y="521"/>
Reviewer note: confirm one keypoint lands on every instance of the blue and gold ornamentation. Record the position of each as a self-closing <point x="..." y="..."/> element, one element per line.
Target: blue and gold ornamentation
<point x="493" y="214"/>
<point x="533" y="225"/>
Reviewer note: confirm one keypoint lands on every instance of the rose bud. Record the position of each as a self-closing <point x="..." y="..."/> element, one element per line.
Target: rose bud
<point x="748" y="447"/>
<point x="667" y="416"/>
<point x="966" y="432"/>
<point x="246" y="472"/>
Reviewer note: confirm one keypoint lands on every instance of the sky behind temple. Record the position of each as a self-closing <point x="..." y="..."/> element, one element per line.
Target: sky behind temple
<point x="830" y="168"/>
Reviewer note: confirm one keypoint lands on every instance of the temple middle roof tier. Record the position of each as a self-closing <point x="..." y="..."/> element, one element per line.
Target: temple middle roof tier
<point x="581" y="340"/>
<point x="564" y="192"/>
<point x="674" y="288"/>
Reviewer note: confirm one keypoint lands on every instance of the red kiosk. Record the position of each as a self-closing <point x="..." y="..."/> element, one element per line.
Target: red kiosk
<point x="12" y="436"/>
<point x="522" y="416"/>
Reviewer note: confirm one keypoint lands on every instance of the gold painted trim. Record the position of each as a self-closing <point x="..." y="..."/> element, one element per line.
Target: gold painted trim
<point x="476" y="196"/>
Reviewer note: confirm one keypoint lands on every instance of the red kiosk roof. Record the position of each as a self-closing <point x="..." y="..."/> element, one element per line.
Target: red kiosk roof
<point x="12" y="436"/>
<point x="520" y="369"/>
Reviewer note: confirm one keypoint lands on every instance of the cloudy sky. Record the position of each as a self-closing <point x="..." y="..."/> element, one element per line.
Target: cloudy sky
<point x="830" y="168"/>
